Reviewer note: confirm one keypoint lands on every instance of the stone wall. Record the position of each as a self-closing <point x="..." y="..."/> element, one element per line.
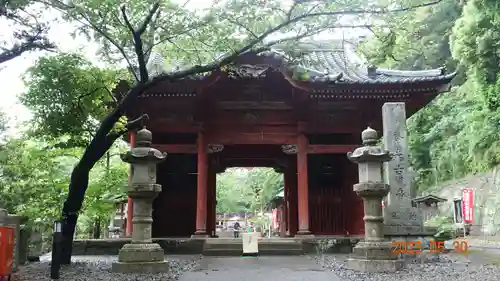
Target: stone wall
<point x="487" y="199"/>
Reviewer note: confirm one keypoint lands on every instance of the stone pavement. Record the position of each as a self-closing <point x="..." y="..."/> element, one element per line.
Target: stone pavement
<point x="267" y="268"/>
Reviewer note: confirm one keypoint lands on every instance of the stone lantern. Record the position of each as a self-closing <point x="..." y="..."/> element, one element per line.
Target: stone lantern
<point x="374" y="254"/>
<point x="142" y="255"/>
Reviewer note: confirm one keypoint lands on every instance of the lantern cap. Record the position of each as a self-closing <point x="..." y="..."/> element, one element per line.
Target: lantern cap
<point x="144" y="137"/>
<point x="369" y="136"/>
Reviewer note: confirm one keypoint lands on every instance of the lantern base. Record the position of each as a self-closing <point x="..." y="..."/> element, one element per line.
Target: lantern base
<point x="373" y="266"/>
<point x="146" y="258"/>
<point x="374" y="256"/>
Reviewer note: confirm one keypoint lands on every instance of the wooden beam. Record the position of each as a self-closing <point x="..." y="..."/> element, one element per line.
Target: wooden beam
<point x="177" y="148"/>
<point x="331" y="149"/>
<point x="252" y="138"/>
<point x="164" y="125"/>
<point x="312" y="148"/>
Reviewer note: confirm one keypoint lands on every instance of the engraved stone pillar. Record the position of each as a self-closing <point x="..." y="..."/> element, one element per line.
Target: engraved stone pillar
<point x="142" y="255"/>
<point x="400" y="217"/>
<point x="374" y="254"/>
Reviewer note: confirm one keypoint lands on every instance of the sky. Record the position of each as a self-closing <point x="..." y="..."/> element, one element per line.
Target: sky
<point x="12" y="71"/>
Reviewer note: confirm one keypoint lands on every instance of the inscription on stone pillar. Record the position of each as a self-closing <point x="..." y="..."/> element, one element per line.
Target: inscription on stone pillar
<point x="395" y="140"/>
<point x="399" y="211"/>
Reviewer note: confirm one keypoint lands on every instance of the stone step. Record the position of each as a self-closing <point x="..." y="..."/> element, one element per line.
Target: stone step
<point x="234" y="247"/>
<point x="261" y="246"/>
<point x="262" y="252"/>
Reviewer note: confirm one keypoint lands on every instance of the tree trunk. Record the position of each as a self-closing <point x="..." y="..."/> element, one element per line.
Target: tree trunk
<point x="97" y="229"/>
<point x="77" y="187"/>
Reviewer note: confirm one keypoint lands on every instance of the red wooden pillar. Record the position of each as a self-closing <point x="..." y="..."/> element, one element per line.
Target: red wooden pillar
<point x="130" y="207"/>
<point x="211" y="204"/>
<point x="214" y="196"/>
<point x="287" y="183"/>
<point x="201" y="190"/>
<point x="292" y="200"/>
<point x="302" y="182"/>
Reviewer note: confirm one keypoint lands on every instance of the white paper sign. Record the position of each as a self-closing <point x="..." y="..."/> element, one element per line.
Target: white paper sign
<point x="250" y="242"/>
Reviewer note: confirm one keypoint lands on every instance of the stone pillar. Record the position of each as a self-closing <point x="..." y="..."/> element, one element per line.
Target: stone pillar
<point x="374" y="254"/>
<point x="201" y="190"/>
<point x="36" y="242"/>
<point x="142" y="255"/>
<point x="303" y="184"/>
<point x="400" y="217"/>
<point x="130" y="207"/>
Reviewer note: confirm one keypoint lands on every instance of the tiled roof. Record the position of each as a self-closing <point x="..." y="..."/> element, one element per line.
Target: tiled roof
<point x="337" y="61"/>
<point x="429" y="197"/>
<point x="322" y="61"/>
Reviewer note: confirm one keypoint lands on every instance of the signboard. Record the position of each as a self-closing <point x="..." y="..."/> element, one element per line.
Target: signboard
<point x="457" y="208"/>
<point x="250" y="244"/>
<point x="468" y="205"/>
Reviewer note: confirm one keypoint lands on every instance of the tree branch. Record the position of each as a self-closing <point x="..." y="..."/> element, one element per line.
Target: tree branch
<point x="136" y="91"/>
<point x="136" y="123"/>
<point x="138" y="44"/>
<point x="126" y="20"/>
<point x="148" y="18"/>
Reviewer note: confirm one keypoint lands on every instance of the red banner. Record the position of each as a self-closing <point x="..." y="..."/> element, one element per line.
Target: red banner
<point x="275" y="223"/>
<point x="468" y="205"/>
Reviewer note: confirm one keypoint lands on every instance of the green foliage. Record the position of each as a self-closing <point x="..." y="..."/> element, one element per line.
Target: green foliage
<point x="453" y="136"/>
<point x="68" y="96"/>
<point x="27" y="30"/>
<point x="456" y="134"/>
<point x="240" y="190"/>
<point x="476" y="45"/>
<point x="34" y="179"/>
<point x="415" y="40"/>
<point x="187" y="35"/>
<point x="266" y="184"/>
<point x="445" y="226"/>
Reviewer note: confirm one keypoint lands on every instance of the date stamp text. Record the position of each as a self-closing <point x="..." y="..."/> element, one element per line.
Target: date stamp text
<point x="435" y="247"/>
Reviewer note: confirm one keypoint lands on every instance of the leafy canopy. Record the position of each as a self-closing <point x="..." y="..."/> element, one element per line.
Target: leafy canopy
<point x="68" y="96"/>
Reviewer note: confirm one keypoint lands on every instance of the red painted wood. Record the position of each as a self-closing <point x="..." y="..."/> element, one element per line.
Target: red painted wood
<point x="242" y="128"/>
<point x="177" y="148"/>
<point x="286" y="210"/>
<point x="330" y="148"/>
<point x="312" y="148"/>
<point x="256" y="117"/>
<point x="329" y="206"/>
<point x="357" y="225"/>
<point x="251" y="138"/>
<point x="303" y="188"/>
<point x="210" y="81"/>
<point x="293" y="207"/>
<point x="201" y="208"/>
<point x="163" y="125"/>
<point x="178" y="196"/>
<point x="130" y="206"/>
<point x="334" y="207"/>
<point x="211" y="201"/>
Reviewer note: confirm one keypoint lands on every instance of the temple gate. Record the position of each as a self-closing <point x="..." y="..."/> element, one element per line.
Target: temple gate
<point x="299" y="116"/>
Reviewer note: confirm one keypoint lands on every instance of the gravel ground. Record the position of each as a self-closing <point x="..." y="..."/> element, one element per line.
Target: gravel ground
<point x="99" y="268"/>
<point x="446" y="268"/>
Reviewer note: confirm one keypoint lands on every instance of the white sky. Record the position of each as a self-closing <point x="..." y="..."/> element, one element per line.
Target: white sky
<point x="11" y="71"/>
